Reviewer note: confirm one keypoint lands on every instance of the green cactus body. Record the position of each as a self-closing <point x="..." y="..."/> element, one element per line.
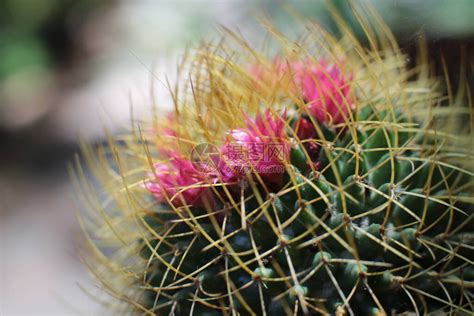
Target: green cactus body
<point x="390" y="232"/>
<point x="376" y="219"/>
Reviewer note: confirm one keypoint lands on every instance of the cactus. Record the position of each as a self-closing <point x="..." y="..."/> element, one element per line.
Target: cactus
<point x="339" y="184"/>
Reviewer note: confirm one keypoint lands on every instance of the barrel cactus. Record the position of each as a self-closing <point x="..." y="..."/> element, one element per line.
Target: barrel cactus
<point x="326" y="179"/>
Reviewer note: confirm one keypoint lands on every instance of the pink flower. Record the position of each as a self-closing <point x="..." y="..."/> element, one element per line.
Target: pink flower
<point x="261" y="148"/>
<point x="325" y="89"/>
<point x="178" y="181"/>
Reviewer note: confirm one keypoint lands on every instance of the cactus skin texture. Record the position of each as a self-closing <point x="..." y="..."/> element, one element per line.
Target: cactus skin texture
<point x="374" y="214"/>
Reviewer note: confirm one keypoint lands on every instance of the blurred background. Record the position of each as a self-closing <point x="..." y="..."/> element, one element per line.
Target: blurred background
<point x="68" y="68"/>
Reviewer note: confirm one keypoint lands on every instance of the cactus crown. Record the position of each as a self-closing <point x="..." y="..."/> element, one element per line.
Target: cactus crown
<point x="337" y="182"/>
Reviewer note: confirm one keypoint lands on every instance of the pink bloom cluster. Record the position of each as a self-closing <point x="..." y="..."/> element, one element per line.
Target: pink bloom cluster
<point x="261" y="148"/>
<point x="324" y="88"/>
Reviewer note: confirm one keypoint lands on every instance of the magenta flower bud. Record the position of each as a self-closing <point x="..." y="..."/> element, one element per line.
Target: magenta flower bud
<point x="261" y="148"/>
<point x="179" y="181"/>
<point x="306" y="133"/>
<point x="325" y="89"/>
<point x="305" y="129"/>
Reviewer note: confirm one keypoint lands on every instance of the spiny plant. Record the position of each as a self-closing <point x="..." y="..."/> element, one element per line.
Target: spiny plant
<point x="330" y="179"/>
